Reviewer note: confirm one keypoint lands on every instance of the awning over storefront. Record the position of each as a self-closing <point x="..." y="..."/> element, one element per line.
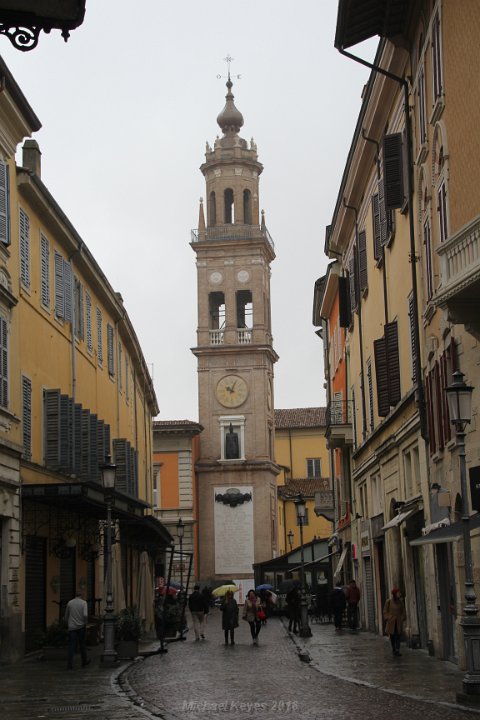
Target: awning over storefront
<point x="401" y="517"/>
<point x="341" y="561"/>
<point x="450" y="533"/>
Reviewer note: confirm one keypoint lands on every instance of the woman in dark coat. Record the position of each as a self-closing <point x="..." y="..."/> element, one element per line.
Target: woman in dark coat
<point x="229" y="610"/>
<point x="394" y="616"/>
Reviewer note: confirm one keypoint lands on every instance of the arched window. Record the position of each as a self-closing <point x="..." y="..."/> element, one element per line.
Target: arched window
<point x="212" y="210"/>
<point x="247" y="207"/>
<point x="229" y="206"/>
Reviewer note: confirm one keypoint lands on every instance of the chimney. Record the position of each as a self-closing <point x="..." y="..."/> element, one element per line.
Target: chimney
<point x="32" y="157"/>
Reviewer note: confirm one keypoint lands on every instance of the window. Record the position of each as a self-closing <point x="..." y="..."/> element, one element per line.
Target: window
<point x="4" y="204"/>
<point x="229" y="206"/>
<point x="232" y="438"/>
<point x="377" y="504"/>
<point x="362" y="261"/>
<point x="370" y="394"/>
<point x="363" y="498"/>
<point x="244" y="316"/>
<point x="393" y="171"/>
<point x="63" y="288"/>
<point x="387" y="368"/>
<point x="44" y="271"/>
<point x="212" y="210"/>
<point x="216" y="307"/>
<point x="437" y="59"/>
<point x="79" y="314"/>
<point x="3" y="362"/>
<point x="422" y="116"/>
<point x="27" y="417"/>
<point x="111" y="359"/>
<point x="99" y="337"/>
<point x="314" y="468"/>
<point x="127" y="384"/>
<point x="24" y="249"/>
<point x="247" y="207"/>
<point x="411" y="471"/>
<point x="353" y="282"/>
<point x="88" y="313"/>
<point x="119" y="365"/>
<point x="427" y="246"/>
<point x="413" y="350"/>
<point x="442" y="211"/>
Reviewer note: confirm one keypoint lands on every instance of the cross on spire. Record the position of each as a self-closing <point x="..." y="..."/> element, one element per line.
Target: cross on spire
<point x="229" y="61"/>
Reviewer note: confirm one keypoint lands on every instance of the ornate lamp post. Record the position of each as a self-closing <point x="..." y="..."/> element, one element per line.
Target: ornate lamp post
<point x="180" y="534"/>
<point x="108" y="470"/>
<point x="459" y="397"/>
<point x="301" y="517"/>
<point x="290" y="537"/>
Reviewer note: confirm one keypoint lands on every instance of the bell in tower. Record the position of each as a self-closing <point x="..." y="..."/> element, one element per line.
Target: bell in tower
<point x="236" y="471"/>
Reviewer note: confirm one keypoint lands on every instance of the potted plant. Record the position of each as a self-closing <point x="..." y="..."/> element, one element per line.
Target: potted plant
<point x="55" y="641"/>
<point x="128" y="630"/>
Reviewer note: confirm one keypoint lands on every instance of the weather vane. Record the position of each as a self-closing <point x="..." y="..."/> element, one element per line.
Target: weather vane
<point x="228" y="60"/>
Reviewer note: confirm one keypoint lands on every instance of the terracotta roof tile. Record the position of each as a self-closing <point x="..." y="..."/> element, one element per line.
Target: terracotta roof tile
<point x="300" y="418"/>
<point x="306" y="486"/>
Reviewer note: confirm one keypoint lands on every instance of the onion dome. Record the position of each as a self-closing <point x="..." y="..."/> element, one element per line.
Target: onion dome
<point x="230" y="119"/>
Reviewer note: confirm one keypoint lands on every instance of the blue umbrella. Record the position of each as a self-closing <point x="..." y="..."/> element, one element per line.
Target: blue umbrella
<point x="265" y="586"/>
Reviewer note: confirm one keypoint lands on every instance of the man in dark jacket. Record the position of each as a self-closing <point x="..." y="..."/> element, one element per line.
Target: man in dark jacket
<point x="293" y="603"/>
<point x="353" y="598"/>
<point x="338" y="602"/>
<point x="199" y="608"/>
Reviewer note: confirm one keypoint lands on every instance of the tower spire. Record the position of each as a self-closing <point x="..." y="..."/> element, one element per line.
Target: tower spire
<point x="230" y="119"/>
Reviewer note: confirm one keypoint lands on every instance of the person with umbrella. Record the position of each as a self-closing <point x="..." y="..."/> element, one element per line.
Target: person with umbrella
<point x="251" y="612"/>
<point x="229" y="610"/>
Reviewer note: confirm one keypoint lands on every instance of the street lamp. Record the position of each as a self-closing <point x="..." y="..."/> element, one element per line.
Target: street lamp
<point x="459" y="396"/>
<point x="22" y="21"/>
<point x="301" y="517"/>
<point x="108" y="470"/>
<point x="290" y="537"/>
<point x="180" y="534"/>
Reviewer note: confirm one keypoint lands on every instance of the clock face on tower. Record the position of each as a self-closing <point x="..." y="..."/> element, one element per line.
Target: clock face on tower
<point x="231" y="391"/>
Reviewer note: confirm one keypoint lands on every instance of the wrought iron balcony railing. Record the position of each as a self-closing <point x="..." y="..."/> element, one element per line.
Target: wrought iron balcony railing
<point x="339" y="412"/>
<point x="232" y="232"/>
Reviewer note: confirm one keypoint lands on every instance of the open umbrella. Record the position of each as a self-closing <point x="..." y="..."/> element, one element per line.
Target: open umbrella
<point x="265" y="586"/>
<point x="223" y="589"/>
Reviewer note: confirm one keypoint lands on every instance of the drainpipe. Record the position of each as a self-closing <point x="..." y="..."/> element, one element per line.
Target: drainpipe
<point x="360" y="329"/>
<point x="413" y="257"/>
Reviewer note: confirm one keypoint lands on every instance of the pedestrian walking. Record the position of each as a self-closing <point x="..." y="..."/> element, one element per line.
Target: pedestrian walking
<point x="229" y="610"/>
<point x="338" y="602"/>
<point x="198" y="608"/>
<point x="394" y="615"/>
<point x="76" y="617"/>
<point x="293" y="603"/>
<point x="353" y="598"/>
<point x="251" y="609"/>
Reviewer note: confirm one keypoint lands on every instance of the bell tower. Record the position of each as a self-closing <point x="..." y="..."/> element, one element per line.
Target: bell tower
<point x="236" y="469"/>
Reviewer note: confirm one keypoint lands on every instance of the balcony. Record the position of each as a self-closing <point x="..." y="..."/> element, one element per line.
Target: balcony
<point x="222" y="233"/>
<point x="217" y="337"/>
<point x="338" y="421"/>
<point x="459" y="293"/>
<point x="244" y="336"/>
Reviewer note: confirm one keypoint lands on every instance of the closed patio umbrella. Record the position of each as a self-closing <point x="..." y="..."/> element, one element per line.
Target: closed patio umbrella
<point x="144" y="596"/>
<point x="117" y="579"/>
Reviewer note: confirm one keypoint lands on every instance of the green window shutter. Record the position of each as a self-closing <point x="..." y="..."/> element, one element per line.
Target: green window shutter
<point x="24" y="249"/>
<point x="3" y="362"/>
<point x="381" y="373"/>
<point x="4" y="204"/>
<point x="45" y="271"/>
<point x="393" y="171"/>
<point x="85" y="443"/>
<point x="66" y="433"/>
<point x="362" y="260"/>
<point x="88" y="318"/>
<point x="68" y="290"/>
<point x="59" y="286"/>
<point x="111" y="360"/>
<point x="121" y="454"/>
<point x="27" y="417"/>
<point x="51" y="409"/>
<point x="393" y="362"/>
<point x="99" y="337"/>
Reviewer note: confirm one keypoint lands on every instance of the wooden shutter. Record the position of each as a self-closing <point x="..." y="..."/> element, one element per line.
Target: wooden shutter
<point x="77" y="440"/>
<point x="94" y="459"/>
<point x="411" y="316"/>
<point x="111" y="366"/>
<point x="85" y="432"/>
<point x="119" y="365"/>
<point x="443" y="385"/>
<point x="127" y="386"/>
<point x="51" y="409"/>
<point x="370" y="393"/>
<point x="68" y="290"/>
<point x="377" y="242"/>
<point x="45" y="271"/>
<point x="27" y="417"/>
<point x="66" y="430"/>
<point x="438" y="402"/>
<point x="353" y="283"/>
<point x="381" y="374"/>
<point x="24" y="248"/>
<point x="393" y="171"/>
<point x="362" y="260"/>
<point x="382" y="213"/>
<point x="121" y="454"/>
<point x="430" y="415"/>
<point x="4" y="204"/>
<point x="344" y="302"/>
<point x="3" y="362"/>
<point x="88" y="312"/>
<point x="101" y="450"/>
<point x="99" y="337"/>
<point x="59" y="286"/>
<point x="393" y="362"/>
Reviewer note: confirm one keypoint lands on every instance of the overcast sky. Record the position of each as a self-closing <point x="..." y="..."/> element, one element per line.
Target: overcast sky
<point x="127" y="106"/>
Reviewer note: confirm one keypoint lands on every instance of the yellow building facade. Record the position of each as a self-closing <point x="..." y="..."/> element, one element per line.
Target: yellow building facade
<point x="301" y="453"/>
<point x="75" y="389"/>
<point x="404" y="276"/>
